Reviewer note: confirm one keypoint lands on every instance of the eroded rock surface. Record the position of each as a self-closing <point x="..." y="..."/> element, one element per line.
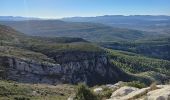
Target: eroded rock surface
<point x="159" y="94"/>
<point x="123" y="91"/>
<point x="90" y="68"/>
<point x="162" y="92"/>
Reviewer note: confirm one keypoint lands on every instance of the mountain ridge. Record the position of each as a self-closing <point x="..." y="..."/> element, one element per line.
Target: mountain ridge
<point x="17" y="18"/>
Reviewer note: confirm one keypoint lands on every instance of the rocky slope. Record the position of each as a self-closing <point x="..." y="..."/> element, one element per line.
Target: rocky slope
<point x="95" y="70"/>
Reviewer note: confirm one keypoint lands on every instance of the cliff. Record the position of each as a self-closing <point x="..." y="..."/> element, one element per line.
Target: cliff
<point x="92" y="69"/>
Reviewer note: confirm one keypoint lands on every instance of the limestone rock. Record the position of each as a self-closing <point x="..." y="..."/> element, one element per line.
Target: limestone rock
<point x="135" y="94"/>
<point x="70" y="98"/>
<point x="123" y="91"/>
<point x="162" y="93"/>
<point x="90" y="68"/>
<point x="159" y="94"/>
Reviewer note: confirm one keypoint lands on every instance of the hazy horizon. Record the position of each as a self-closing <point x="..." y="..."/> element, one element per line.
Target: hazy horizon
<point x="74" y="16"/>
<point x="82" y="8"/>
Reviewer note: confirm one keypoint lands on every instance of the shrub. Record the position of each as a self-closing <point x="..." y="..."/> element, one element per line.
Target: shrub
<point x="21" y="98"/>
<point x="106" y="93"/>
<point x="136" y="84"/>
<point x="84" y="93"/>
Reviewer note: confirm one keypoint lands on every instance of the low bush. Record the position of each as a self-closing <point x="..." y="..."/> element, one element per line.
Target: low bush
<point x="21" y="98"/>
<point x="136" y="84"/>
<point x="84" y="93"/>
<point x="106" y="93"/>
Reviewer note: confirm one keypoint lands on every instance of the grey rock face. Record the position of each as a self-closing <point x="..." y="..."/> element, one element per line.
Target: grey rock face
<point x="91" y="69"/>
<point x="131" y="93"/>
<point x="159" y="94"/>
<point x="123" y="91"/>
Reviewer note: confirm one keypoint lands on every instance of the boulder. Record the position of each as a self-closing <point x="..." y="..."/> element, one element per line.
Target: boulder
<point x="128" y="93"/>
<point x="123" y="91"/>
<point x="70" y="98"/>
<point x="159" y="94"/>
<point x="135" y="94"/>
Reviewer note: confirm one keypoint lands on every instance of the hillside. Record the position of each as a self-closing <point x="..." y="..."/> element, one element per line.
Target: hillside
<point x="89" y="31"/>
<point x="156" y="69"/>
<point x="153" y="47"/>
<point x="9" y="34"/>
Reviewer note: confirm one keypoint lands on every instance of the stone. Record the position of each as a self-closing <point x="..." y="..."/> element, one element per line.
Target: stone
<point x="135" y="94"/>
<point x="159" y="94"/>
<point x="112" y="87"/>
<point x="98" y="90"/>
<point x="125" y="90"/>
<point x="70" y="98"/>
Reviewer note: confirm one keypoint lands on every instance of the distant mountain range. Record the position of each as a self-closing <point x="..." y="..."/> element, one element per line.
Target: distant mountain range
<point x="16" y="18"/>
<point x="119" y="18"/>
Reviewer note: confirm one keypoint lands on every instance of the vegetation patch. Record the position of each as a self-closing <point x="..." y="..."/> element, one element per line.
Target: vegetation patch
<point x="17" y="91"/>
<point x="84" y="93"/>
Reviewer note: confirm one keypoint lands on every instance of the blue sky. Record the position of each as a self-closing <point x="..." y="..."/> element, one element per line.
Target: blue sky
<point x="69" y="8"/>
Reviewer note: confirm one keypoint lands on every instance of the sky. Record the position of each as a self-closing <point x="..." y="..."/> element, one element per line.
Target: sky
<point x="84" y="8"/>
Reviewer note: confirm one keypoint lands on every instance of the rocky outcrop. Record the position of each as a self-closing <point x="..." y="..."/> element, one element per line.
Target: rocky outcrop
<point x="23" y="70"/>
<point x="115" y="86"/>
<point x="91" y="69"/>
<point x="135" y="94"/>
<point x="123" y="91"/>
<point x="162" y="92"/>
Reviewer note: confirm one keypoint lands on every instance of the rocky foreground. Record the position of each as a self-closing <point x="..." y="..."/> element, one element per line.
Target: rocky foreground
<point x="154" y="92"/>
